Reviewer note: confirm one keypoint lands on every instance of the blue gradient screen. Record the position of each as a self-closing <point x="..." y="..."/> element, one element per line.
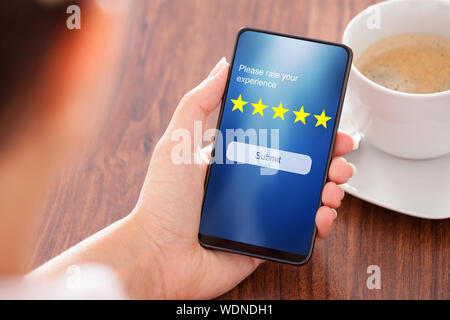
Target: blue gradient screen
<point x="286" y="91"/>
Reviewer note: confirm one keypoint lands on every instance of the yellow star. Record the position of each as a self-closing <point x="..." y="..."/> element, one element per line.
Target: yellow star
<point x="279" y="111"/>
<point x="259" y="107"/>
<point x="322" y="119"/>
<point x="300" y="115"/>
<point x="238" y="103"/>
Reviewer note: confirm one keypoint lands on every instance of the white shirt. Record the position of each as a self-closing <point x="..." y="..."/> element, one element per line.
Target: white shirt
<point x="79" y="282"/>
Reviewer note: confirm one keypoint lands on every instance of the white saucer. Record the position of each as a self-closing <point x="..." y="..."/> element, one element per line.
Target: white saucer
<point x="419" y="188"/>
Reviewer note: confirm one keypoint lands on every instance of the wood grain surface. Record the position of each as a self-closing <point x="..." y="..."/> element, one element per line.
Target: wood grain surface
<point x="170" y="48"/>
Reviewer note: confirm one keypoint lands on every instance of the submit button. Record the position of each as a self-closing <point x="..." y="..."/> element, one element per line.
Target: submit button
<point x="269" y="158"/>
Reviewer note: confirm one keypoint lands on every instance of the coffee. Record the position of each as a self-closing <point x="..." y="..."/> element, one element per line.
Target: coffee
<point x="413" y="63"/>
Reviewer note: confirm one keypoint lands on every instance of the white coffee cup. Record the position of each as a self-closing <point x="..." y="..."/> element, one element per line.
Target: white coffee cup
<point x="407" y="125"/>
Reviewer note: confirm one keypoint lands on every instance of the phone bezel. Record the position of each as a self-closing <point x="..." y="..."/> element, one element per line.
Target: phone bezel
<point x="211" y="242"/>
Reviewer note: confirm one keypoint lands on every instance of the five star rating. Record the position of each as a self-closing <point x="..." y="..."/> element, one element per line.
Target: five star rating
<point x="259" y="109"/>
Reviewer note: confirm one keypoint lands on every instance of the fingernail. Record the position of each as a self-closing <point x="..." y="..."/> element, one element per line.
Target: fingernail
<point x="353" y="168"/>
<point x="335" y="212"/>
<point x="355" y="143"/>
<point x="222" y="61"/>
<point x="217" y="67"/>
<point x="356" y="138"/>
<point x="343" y="194"/>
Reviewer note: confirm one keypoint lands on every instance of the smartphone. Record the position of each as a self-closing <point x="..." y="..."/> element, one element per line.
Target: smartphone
<point x="273" y="145"/>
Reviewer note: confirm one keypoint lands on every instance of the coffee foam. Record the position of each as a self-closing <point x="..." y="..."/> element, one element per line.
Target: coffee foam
<point x="413" y="63"/>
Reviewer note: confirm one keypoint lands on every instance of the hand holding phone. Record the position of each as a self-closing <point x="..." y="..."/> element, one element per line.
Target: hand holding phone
<point x="170" y="202"/>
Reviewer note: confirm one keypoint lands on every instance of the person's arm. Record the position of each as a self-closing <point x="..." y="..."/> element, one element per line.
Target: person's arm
<point x="155" y="250"/>
<point x="124" y="248"/>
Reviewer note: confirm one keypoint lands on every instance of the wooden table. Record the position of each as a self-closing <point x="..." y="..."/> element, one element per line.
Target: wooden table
<point x="171" y="47"/>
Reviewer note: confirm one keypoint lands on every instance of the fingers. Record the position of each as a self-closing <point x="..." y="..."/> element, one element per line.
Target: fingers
<point x="324" y="221"/>
<point x="217" y="67"/>
<point x="200" y="101"/>
<point x="344" y="144"/>
<point x="332" y="195"/>
<point x="207" y="95"/>
<point x="340" y="170"/>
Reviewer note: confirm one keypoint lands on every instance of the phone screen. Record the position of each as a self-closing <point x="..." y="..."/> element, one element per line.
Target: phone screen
<point x="272" y="150"/>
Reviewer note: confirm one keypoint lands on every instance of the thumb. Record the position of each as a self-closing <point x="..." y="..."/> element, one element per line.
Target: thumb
<point x="198" y="103"/>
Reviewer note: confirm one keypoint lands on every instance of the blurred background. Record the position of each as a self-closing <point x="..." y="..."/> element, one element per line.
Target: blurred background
<point x="169" y="46"/>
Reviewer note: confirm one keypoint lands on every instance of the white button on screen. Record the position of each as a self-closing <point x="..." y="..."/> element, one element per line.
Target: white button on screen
<point x="269" y="158"/>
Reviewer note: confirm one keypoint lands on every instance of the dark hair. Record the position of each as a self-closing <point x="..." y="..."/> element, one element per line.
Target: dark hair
<point x="27" y="29"/>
